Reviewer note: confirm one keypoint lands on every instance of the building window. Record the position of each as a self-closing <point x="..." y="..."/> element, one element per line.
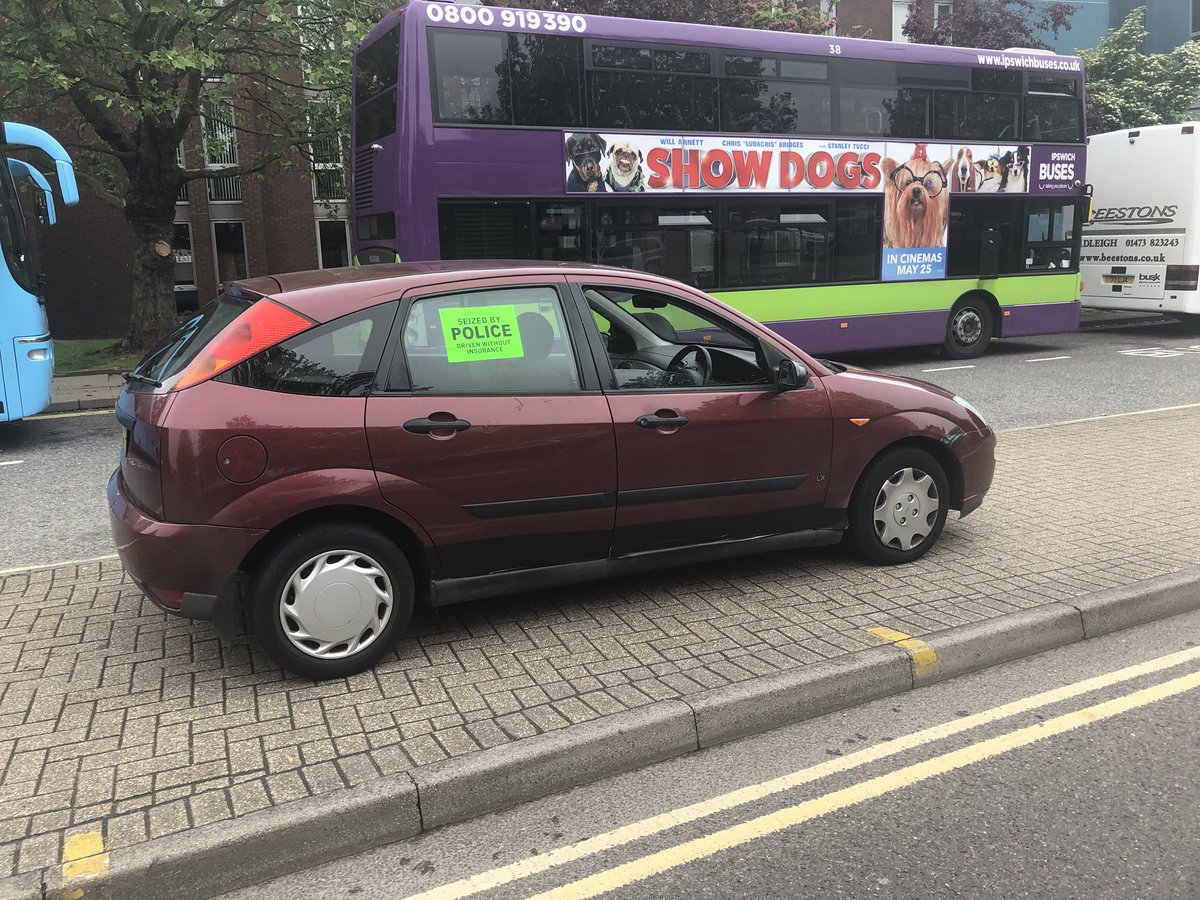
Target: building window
<point x="229" y="244"/>
<point x="941" y="13"/>
<point x="900" y="10"/>
<point x="328" y="154"/>
<point x="220" y="148"/>
<point x="182" y="196"/>
<point x="333" y="243"/>
<point x="186" y="297"/>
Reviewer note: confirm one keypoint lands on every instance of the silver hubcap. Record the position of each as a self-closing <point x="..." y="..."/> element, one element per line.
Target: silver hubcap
<point x="967" y="326"/>
<point x="336" y="604"/>
<point x="906" y="509"/>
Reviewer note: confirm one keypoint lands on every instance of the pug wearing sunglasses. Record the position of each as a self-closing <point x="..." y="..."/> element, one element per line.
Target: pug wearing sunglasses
<point x="585" y="150"/>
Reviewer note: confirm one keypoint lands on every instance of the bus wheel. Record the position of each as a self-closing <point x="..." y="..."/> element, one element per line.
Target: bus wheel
<point x="969" y="329"/>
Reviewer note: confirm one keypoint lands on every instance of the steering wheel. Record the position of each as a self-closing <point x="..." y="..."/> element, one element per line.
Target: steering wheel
<point x="702" y="370"/>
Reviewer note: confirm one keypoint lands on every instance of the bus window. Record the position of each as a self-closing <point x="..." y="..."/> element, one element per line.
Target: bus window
<point x="468" y="68"/>
<point x="856" y="239"/>
<point x="1052" y="118"/>
<point x="547" y="79"/>
<point x="884" y="112"/>
<point x="13" y="238"/>
<point x="376" y="72"/>
<point x="970" y="217"/>
<point x="678" y="242"/>
<point x="774" y="107"/>
<point x="1050" y="235"/>
<point x="776" y="245"/>
<point x="960" y="115"/>
<point x="650" y="87"/>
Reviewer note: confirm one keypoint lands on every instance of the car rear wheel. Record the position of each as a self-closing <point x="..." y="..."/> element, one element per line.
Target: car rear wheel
<point x="898" y="507"/>
<point x="329" y="602"/>
<point x="969" y="329"/>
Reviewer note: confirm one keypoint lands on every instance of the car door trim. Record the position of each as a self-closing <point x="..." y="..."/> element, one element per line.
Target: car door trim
<point x="710" y="489"/>
<point x="568" y="503"/>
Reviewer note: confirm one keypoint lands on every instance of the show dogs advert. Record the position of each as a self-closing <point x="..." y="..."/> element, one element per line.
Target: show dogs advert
<point x="916" y="179"/>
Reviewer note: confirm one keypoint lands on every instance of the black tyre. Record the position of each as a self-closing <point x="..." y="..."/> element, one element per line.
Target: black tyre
<point x="898" y="507"/>
<point x="969" y="329"/>
<point x="330" y="601"/>
<point x="1190" y="322"/>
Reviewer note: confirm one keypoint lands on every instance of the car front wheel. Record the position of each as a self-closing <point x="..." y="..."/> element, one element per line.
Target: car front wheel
<point x="898" y="507"/>
<point x="329" y="602"/>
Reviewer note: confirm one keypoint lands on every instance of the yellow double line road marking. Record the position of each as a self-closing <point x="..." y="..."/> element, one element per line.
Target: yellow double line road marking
<point x="656" y="824"/>
<point x="673" y="857"/>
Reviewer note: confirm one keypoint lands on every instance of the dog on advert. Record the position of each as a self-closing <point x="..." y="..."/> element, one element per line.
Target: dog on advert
<point x="625" y="174"/>
<point x="585" y="150"/>
<point x="964" y="176"/>
<point x="916" y="204"/>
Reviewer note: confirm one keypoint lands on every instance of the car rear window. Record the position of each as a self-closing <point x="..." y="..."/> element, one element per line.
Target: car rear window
<point x="337" y="359"/>
<point x="172" y="356"/>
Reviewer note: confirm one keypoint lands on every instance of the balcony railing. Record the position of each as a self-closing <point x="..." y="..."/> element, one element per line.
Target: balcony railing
<point x="329" y="184"/>
<point x="224" y="187"/>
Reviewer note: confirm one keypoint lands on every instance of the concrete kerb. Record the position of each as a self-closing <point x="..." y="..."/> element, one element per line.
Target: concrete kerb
<point x="228" y="855"/>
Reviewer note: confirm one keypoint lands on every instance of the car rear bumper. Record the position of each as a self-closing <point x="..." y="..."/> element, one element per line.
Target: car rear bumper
<point x="186" y="570"/>
<point x="977" y="459"/>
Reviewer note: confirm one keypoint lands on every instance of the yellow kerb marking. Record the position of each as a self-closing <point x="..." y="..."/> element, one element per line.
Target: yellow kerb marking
<point x="923" y="656"/>
<point x="773" y="823"/>
<point x="84" y="856"/>
<point x="626" y="834"/>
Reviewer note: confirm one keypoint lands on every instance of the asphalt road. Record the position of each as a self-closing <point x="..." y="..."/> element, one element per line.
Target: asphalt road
<point x="1089" y="793"/>
<point x="53" y="469"/>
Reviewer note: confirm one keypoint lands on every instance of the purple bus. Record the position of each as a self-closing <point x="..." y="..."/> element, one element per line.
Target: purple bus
<point x="851" y="194"/>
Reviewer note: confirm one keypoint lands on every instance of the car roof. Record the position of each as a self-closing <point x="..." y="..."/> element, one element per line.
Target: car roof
<point x="327" y="293"/>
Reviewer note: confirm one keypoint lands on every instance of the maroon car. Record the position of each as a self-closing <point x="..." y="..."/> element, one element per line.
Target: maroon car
<point x="332" y="447"/>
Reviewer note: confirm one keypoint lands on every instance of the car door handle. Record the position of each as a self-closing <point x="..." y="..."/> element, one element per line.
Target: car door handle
<point x="427" y="426"/>
<point x="660" y="421"/>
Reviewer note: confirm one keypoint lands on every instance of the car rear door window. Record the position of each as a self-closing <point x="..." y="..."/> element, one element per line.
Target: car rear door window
<point x="337" y="359"/>
<point x="504" y="341"/>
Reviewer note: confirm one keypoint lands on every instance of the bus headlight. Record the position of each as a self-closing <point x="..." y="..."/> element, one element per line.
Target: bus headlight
<point x="971" y="409"/>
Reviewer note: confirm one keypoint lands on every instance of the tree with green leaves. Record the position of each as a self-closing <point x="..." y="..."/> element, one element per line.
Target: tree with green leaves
<point x="991" y="24"/>
<point x="132" y="76"/>
<point x="1127" y="87"/>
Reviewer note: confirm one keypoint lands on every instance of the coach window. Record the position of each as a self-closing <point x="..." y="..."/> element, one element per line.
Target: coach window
<point x="857" y="243"/>
<point x="883" y="111"/>
<point x="506" y="341"/>
<point x="764" y="245"/>
<point x="547" y="79"/>
<point x="763" y="94"/>
<point x="975" y="116"/>
<point x="649" y="87"/>
<point x="1050" y="237"/>
<point x="469" y="70"/>
<point x="678" y="242"/>
<point x="970" y="218"/>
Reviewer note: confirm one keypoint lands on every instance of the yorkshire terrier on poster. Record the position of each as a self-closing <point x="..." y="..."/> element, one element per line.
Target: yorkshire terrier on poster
<point x="916" y="205"/>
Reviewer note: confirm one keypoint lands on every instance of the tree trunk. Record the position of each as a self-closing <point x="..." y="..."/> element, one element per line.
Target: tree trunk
<point x="152" y="311"/>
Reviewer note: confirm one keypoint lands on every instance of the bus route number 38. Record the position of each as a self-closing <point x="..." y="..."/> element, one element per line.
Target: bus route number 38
<point x="530" y="19"/>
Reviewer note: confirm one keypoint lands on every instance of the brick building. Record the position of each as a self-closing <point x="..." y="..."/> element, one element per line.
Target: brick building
<point x="225" y="228"/>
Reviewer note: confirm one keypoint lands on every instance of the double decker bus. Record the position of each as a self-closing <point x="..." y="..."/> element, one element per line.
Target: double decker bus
<point x="851" y="194"/>
<point x="26" y="348"/>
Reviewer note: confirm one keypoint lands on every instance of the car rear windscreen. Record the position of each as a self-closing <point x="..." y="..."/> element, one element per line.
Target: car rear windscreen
<point x="172" y="356"/>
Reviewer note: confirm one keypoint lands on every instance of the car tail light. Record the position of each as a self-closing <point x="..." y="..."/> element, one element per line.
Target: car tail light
<point x="263" y="325"/>
<point x="1182" y="278"/>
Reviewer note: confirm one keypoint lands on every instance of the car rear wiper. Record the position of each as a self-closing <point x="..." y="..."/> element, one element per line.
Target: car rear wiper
<point x="140" y="379"/>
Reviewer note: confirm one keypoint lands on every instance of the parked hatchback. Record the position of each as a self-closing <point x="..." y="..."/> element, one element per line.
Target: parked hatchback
<point x="330" y="448"/>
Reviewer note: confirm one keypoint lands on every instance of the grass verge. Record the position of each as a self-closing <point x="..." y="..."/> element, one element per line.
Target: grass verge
<point x="94" y="355"/>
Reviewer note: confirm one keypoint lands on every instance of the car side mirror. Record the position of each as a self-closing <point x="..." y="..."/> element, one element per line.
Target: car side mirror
<point x="790" y="375"/>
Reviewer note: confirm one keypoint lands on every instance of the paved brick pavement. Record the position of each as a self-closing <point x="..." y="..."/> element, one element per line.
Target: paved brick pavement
<point x="115" y="717"/>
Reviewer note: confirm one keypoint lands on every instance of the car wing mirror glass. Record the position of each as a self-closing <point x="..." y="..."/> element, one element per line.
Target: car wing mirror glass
<point x="790" y="374"/>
